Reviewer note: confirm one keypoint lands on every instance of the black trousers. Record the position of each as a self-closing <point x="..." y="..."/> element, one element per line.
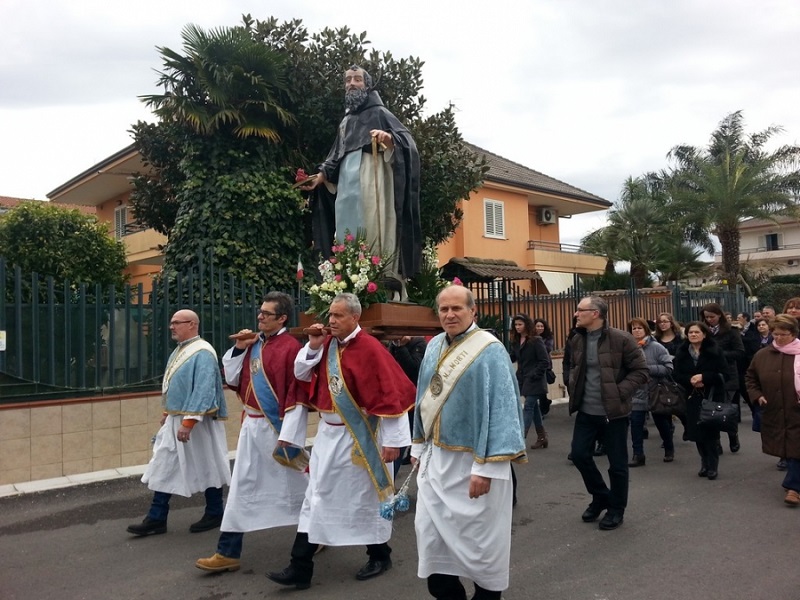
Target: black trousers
<point x="303" y="554"/>
<point x="449" y="587"/>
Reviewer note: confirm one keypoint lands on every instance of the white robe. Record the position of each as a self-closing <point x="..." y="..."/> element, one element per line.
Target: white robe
<point x="263" y="492"/>
<point x="341" y="506"/>
<point x="457" y="535"/>
<point x="190" y="467"/>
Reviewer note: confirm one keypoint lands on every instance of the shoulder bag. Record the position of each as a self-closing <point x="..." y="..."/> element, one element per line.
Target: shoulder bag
<point x="667" y="398"/>
<point x="722" y="416"/>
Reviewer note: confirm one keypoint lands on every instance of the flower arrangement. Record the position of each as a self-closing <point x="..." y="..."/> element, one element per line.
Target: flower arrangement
<point x="426" y="285"/>
<point x="353" y="268"/>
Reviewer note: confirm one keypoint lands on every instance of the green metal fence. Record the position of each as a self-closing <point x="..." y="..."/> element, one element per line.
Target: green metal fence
<point x="65" y="339"/>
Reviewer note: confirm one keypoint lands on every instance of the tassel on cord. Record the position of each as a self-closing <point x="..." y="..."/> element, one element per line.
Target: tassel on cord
<point x="400" y="501"/>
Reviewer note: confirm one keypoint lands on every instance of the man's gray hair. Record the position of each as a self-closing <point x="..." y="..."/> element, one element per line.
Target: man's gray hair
<point x="350" y="300"/>
<point x="600" y="305"/>
<point x="367" y="76"/>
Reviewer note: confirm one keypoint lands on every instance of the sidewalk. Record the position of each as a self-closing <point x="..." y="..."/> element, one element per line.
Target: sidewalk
<point x="41" y="485"/>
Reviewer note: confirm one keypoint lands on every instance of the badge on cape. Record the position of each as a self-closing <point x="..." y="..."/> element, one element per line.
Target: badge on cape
<point x="437" y="384"/>
<point x="335" y="385"/>
<point x="255" y="365"/>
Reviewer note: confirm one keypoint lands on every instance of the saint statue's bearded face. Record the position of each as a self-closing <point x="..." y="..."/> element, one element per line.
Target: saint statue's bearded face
<point x="356" y="87"/>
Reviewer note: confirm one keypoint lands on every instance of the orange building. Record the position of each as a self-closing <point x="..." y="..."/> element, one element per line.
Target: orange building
<point x="513" y="216"/>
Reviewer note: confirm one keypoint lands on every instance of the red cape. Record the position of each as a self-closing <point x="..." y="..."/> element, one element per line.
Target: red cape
<point x="372" y="375"/>
<point x="277" y="356"/>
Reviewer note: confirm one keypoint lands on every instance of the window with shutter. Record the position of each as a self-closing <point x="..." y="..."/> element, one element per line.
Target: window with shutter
<point x="494" y="219"/>
<point x="120" y="220"/>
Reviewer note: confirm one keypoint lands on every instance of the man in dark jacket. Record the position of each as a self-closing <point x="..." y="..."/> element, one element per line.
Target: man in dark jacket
<point x="607" y="367"/>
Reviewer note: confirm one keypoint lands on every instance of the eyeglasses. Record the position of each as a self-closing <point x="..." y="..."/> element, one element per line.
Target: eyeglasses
<point x="171" y="323"/>
<point x="266" y="313"/>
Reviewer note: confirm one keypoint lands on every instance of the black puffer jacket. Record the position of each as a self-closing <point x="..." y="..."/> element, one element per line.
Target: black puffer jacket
<point x="730" y="343"/>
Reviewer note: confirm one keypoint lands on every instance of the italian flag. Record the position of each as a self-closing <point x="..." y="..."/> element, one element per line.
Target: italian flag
<point x="299" y="269"/>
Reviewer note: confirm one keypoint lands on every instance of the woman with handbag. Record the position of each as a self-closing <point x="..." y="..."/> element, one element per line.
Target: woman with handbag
<point x="659" y="362"/>
<point x="773" y="381"/>
<point x="530" y="354"/>
<point x="700" y="367"/>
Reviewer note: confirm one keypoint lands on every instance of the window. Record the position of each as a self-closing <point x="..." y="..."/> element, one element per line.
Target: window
<point x="772" y="241"/>
<point x="493" y="219"/>
<point x="120" y="220"/>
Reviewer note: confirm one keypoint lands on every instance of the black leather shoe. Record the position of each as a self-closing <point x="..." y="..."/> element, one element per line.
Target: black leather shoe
<point x="592" y="512"/>
<point x="612" y="520"/>
<point x="638" y="460"/>
<point x="148" y="527"/>
<point x="734" y="443"/>
<point x="712" y="475"/>
<point x="290" y="576"/>
<point x="703" y="472"/>
<point x="206" y="523"/>
<point x="373" y="568"/>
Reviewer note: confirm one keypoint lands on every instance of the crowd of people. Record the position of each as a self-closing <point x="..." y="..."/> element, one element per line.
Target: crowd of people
<point x="456" y="408"/>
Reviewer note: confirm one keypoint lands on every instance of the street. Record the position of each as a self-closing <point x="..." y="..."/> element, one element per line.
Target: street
<point x="684" y="537"/>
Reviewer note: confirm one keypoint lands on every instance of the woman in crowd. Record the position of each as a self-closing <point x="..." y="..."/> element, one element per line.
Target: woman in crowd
<point x="542" y="329"/>
<point x="730" y="342"/>
<point x="700" y="367"/>
<point x="773" y="381"/>
<point x="533" y="360"/>
<point x="659" y="362"/>
<point x="668" y="333"/>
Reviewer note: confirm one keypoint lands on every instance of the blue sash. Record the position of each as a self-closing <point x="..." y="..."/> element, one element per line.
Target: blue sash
<point x="292" y="456"/>
<point x="362" y="427"/>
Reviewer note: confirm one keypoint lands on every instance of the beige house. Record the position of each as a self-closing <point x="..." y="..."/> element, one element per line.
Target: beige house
<point x="769" y="243"/>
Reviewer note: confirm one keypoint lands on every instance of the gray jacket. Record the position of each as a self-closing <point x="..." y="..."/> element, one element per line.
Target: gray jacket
<point x="659" y="363"/>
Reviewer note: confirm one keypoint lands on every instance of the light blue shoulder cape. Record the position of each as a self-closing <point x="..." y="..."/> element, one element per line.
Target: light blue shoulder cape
<point x="196" y="388"/>
<point x="483" y="414"/>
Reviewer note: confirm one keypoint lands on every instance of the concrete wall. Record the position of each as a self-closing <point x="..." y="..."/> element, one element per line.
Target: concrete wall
<point x="58" y="438"/>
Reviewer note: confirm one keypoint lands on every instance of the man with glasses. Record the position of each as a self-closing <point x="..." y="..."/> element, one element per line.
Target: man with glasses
<point x="190" y="453"/>
<point x="608" y="366"/>
<point x="362" y="396"/>
<point x="269" y="482"/>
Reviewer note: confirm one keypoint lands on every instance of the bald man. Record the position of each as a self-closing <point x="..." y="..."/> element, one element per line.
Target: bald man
<point x="190" y="453"/>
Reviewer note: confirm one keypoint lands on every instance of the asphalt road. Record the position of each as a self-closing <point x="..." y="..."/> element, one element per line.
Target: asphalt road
<point x="683" y="538"/>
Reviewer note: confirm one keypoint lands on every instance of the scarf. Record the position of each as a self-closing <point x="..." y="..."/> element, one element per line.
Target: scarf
<point x="792" y="348"/>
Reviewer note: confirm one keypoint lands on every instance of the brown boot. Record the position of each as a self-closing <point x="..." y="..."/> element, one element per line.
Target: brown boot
<point x="541" y="439"/>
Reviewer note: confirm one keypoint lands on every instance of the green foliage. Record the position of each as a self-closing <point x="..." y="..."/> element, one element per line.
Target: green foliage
<point x="238" y="208"/>
<point x="206" y="171"/>
<point x="63" y="243"/>
<point x="776" y="294"/>
<point x="713" y="189"/>
<point x="425" y="286"/>
<point x="612" y="281"/>
<point x="785" y="279"/>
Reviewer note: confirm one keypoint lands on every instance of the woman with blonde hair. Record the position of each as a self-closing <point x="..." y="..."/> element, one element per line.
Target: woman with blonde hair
<point x="773" y="381"/>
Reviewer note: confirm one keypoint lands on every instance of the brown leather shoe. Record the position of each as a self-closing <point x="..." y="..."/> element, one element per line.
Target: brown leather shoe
<point x="792" y="498"/>
<point x="218" y="563"/>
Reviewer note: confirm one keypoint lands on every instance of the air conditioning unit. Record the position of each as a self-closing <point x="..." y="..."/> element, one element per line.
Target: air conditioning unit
<point x="548" y="216"/>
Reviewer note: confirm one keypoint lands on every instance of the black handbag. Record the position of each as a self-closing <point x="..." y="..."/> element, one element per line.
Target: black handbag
<point x="550" y="376"/>
<point x="667" y="398"/>
<point x="722" y="416"/>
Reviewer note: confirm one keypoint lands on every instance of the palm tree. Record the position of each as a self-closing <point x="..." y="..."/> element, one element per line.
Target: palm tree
<point x="226" y="81"/>
<point x="735" y="178"/>
<point x="638" y="229"/>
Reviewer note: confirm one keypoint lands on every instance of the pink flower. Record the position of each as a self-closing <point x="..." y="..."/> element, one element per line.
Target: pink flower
<point x="372" y="287"/>
<point x="361" y="256"/>
<point x="337" y="278"/>
<point x="376" y="260"/>
<point x="339" y="248"/>
<point x="363" y="247"/>
<point x="332" y="260"/>
<point x="457" y="281"/>
<point x="349" y="237"/>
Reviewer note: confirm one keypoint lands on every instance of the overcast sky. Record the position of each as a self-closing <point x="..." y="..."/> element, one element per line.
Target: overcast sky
<point x="588" y="92"/>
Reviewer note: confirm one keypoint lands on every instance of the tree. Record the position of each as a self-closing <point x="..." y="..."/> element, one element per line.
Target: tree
<point x="59" y="242"/>
<point x="182" y="154"/>
<point x="734" y="178"/>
